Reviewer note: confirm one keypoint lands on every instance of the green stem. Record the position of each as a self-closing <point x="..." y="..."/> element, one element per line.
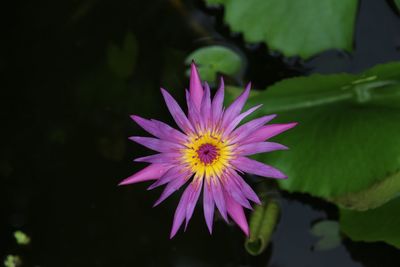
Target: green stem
<point x="262" y="224"/>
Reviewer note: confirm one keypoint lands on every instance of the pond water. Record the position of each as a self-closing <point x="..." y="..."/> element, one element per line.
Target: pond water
<point x="66" y="121"/>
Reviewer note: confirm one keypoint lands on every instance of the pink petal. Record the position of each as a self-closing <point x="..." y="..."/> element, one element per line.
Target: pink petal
<point x="208" y="205"/>
<point x="151" y="172"/>
<point x="196" y="186"/>
<point x="237" y="214"/>
<point x="156" y="144"/>
<point x="195" y="88"/>
<point x="180" y="214"/>
<point x="147" y="125"/>
<point x="217" y="103"/>
<point x="170" y="158"/>
<point x="176" y="112"/>
<point x="254" y="167"/>
<point x="160" y="129"/>
<point x="170" y="175"/>
<point x="166" y="132"/>
<point x="218" y="197"/>
<point x="233" y="190"/>
<point x="249" y="127"/>
<point x="206" y="106"/>
<point x="172" y="187"/>
<point x="244" y="187"/>
<point x="194" y="114"/>
<point x="259" y="147"/>
<point x="234" y="109"/>
<point x="268" y="131"/>
<point x="235" y="122"/>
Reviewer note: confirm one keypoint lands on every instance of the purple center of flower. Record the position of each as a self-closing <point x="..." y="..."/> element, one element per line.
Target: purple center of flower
<point x="207" y="153"/>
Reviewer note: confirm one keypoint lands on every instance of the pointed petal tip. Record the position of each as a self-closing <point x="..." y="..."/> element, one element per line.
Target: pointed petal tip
<point x="193" y="65"/>
<point x="134" y="117"/>
<point x="157" y="203"/>
<point x="164" y="91"/>
<point x="132" y="138"/>
<point x="152" y="186"/>
<point x="123" y="182"/>
<point x="280" y="176"/>
<point x="195" y="86"/>
<point x="172" y="235"/>
<point x="209" y="227"/>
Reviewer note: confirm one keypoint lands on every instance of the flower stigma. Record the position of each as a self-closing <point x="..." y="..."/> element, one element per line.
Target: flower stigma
<point x="207" y="154"/>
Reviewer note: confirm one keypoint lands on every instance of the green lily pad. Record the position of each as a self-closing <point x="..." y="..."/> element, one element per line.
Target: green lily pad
<point x="347" y="141"/>
<point x="212" y="60"/>
<point x="328" y="232"/>
<point x="214" y="2"/>
<point x="301" y="27"/>
<point x="381" y="224"/>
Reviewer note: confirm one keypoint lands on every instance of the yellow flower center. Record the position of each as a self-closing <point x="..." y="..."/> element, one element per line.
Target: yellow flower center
<point x="207" y="155"/>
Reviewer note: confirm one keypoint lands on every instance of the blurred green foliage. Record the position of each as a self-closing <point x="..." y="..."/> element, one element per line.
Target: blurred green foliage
<point x="122" y="60"/>
<point x="302" y="27"/>
<point x="380" y="224"/>
<point x="12" y="261"/>
<point x="397" y="2"/>
<point x="22" y="238"/>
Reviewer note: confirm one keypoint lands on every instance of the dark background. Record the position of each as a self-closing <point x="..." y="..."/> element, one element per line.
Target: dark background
<point x="65" y="123"/>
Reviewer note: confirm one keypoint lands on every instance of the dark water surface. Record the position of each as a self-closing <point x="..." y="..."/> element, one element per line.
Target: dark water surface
<point x="65" y="125"/>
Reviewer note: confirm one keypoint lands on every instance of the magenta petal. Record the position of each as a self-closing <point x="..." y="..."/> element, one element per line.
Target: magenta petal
<point x="171" y="187"/>
<point x="244" y="187"/>
<point x="151" y="172"/>
<point x="171" y="158"/>
<point x="195" y="88"/>
<point x="166" y="132"/>
<point x="218" y="197"/>
<point x="196" y="186"/>
<point x="170" y="175"/>
<point x="160" y="129"/>
<point x="259" y="147"/>
<point x="237" y="214"/>
<point x="217" y="103"/>
<point x="235" y="122"/>
<point x="249" y="127"/>
<point x="208" y="206"/>
<point x="234" y="109"/>
<point x="176" y="112"/>
<point x="268" y="131"/>
<point x="206" y="106"/>
<point x="254" y="167"/>
<point x="233" y="190"/>
<point x="156" y="144"/>
<point x="180" y="213"/>
<point x="194" y="114"/>
<point x="147" y="125"/>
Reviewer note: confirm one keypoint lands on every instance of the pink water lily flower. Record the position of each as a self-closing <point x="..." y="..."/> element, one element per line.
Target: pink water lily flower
<point x="208" y="152"/>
